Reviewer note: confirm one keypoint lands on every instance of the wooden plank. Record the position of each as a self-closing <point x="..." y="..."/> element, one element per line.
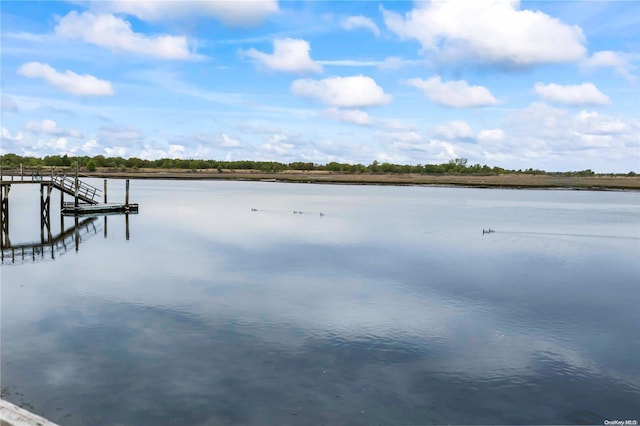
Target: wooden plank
<point x="12" y="415"/>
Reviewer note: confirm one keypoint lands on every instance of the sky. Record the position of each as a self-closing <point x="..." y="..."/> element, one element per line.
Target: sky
<point x="549" y="85"/>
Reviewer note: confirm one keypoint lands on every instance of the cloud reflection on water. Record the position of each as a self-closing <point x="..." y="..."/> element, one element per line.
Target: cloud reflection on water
<point x="300" y="319"/>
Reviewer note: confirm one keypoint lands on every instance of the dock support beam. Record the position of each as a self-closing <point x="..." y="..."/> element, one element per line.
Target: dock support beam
<point x="105" y="191"/>
<point x="75" y="204"/>
<point x="126" y="195"/>
<point x="45" y="212"/>
<point x="4" y="216"/>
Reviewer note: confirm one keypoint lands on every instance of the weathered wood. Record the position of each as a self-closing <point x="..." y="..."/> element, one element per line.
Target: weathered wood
<point x="126" y="196"/>
<point x="105" y="191"/>
<point x="88" y="209"/>
<point x="76" y="186"/>
<point x="13" y="415"/>
<point x="4" y="215"/>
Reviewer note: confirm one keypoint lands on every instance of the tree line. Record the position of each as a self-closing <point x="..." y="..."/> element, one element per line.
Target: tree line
<point x="454" y="166"/>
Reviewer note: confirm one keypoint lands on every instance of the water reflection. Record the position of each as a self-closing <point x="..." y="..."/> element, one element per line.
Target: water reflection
<point x="392" y="308"/>
<point x="50" y="247"/>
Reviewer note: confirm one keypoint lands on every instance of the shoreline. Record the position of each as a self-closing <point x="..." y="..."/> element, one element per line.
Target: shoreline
<point x="506" y="181"/>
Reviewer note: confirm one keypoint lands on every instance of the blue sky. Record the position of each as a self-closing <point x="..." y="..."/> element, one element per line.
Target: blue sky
<point x="516" y="84"/>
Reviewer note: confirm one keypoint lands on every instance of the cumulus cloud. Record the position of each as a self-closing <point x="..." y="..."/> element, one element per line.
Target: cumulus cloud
<point x="546" y="137"/>
<point x="229" y="12"/>
<point x="69" y="81"/>
<point x="90" y="146"/>
<point x="576" y="95"/>
<point x="489" y="31"/>
<point x="353" y="22"/>
<point x="454" y="130"/>
<point x="618" y="61"/>
<point x="354" y="116"/>
<point x="455" y="93"/>
<point x="278" y="144"/>
<point x="6" y="135"/>
<point x="589" y="122"/>
<point x="116" y="151"/>
<point x="291" y="55"/>
<point x="229" y="142"/>
<point x="50" y="127"/>
<point x="176" y="151"/>
<point x="343" y="92"/>
<point x="107" y="30"/>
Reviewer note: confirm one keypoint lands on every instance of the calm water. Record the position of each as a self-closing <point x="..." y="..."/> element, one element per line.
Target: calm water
<point x="392" y="308"/>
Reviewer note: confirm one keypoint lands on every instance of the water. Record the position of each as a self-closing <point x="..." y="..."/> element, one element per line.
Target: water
<point x="391" y="308"/>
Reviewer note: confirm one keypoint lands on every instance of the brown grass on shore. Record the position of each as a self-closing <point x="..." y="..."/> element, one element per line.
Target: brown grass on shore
<point x="598" y="182"/>
<point x="595" y="182"/>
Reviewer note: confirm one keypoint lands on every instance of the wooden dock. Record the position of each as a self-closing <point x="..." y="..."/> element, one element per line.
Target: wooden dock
<point x="85" y="199"/>
<point x="12" y="415"/>
<point x="99" y="209"/>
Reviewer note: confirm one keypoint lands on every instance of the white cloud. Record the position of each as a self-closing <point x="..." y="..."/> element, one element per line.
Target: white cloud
<point x="90" y="146"/>
<point x="229" y="142"/>
<point x="277" y="145"/>
<point x="455" y="93"/>
<point x="489" y="31"/>
<point x="6" y="135"/>
<point x="396" y="62"/>
<point x="541" y="136"/>
<point x="353" y="22"/>
<point x="620" y="62"/>
<point x="291" y="55"/>
<point x="50" y="127"/>
<point x="70" y="82"/>
<point x="582" y="94"/>
<point x="354" y="116"/>
<point x="232" y="13"/>
<point x="491" y="135"/>
<point x="349" y="92"/>
<point x="107" y="30"/>
<point x="175" y="151"/>
<point x="8" y="104"/>
<point x="595" y="124"/>
<point x="400" y="137"/>
<point x="454" y="130"/>
<point x="116" y="151"/>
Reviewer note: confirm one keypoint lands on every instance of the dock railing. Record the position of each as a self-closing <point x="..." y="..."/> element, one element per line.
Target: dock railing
<point x="86" y="192"/>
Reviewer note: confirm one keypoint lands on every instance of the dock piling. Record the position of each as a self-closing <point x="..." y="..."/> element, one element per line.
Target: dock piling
<point x="76" y="189"/>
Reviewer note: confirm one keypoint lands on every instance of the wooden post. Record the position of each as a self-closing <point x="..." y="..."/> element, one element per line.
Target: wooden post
<point x="105" y="193"/>
<point x="4" y="215"/>
<point x="21" y="172"/>
<point x="76" y="191"/>
<point x="41" y="212"/>
<point x="77" y="234"/>
<point x="126" y="196"/>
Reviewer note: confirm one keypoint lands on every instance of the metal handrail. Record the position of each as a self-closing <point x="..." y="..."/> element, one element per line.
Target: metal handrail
<point x="84" y="189"/>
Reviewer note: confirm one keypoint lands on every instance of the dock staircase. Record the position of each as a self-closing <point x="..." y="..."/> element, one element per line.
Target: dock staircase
<point x="86" y="193"/>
